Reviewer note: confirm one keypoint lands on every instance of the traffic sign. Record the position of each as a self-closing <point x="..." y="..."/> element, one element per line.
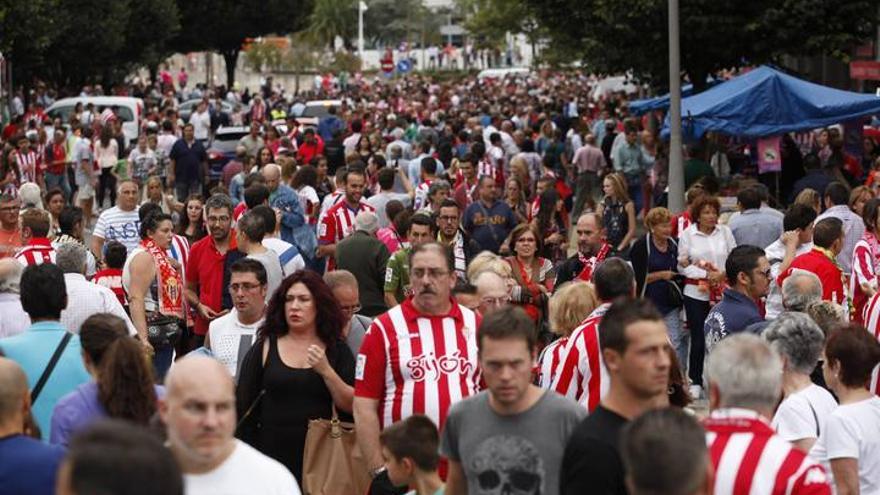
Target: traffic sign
<point x="404" y="66"/>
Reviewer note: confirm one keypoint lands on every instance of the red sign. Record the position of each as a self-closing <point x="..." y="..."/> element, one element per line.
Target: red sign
<point x="864" y="69"/>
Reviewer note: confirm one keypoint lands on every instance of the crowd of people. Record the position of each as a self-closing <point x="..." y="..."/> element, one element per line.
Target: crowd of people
<point x="471" y="286"/>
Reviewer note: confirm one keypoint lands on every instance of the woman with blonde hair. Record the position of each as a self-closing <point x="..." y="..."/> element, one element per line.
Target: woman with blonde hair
<point x="618" y="214"/>
<point x="489" y="261"/>
<point x="858" y="197"/>
<point x="811" y="198"/>
<point x="569" y="306"/>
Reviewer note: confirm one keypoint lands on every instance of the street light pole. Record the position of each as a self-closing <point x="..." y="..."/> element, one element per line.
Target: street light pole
<point x="362" y="7"/>
<point x="676" y="200"/>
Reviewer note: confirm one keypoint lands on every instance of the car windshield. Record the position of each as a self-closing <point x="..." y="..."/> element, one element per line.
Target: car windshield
<point x="227" y="141"/>
<point x="316" y="111"/>
<point x="63" y="112"/>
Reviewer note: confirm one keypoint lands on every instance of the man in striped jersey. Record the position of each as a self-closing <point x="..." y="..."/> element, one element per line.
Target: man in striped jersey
<point x="338" y="223"/>
<point x="745" y="383"/>
<point x="581" y="374"/>
<point x="872" y="323"/>
<point x="418" y="358"/>
<point x="37" y="247"/>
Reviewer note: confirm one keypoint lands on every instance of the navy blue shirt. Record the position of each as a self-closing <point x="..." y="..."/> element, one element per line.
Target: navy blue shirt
<point x="816" y="180"/>
<point x="28" y="466"/>
<point x="188" y="160"/>
<point x="489" y="227"/>
<point x="736" y="312"/>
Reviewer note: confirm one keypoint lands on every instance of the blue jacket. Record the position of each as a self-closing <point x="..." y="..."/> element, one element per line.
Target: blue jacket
<point x="328" y="125"/>
<point x="735" y="313"/>
<point x="294" y="228"/>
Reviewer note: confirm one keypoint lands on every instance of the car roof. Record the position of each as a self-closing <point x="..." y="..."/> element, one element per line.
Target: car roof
<point x="98" y="100"/>
<point x="233" y="129"/>
<point x="323" y="103"/>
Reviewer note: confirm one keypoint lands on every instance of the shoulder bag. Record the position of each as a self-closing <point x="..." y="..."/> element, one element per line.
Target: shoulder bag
<point x="53" y="361"/>
<point x="676" y="294"/>
<point x="332" y="462"/>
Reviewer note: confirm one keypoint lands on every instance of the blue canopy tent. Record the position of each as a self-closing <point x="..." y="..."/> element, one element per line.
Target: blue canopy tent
<point x="767" y="102"/>
<point x="645" y="105"/>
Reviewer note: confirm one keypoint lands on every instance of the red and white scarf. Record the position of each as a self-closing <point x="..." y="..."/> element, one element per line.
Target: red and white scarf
<point x="169" y="281"/>
<point x="589" y="264"/>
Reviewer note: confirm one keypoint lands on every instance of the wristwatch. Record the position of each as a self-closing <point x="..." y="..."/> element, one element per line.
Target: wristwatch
<point x="377" y="472"/>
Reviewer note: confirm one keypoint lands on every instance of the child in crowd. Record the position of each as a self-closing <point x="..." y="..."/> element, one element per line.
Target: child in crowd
<point x="111" y="275"/>
<point x="410" y="451"/>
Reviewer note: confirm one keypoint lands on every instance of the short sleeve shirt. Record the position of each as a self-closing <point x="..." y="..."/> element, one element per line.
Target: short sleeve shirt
<point x="397" y="274"/>
<point x="118" y="225"/>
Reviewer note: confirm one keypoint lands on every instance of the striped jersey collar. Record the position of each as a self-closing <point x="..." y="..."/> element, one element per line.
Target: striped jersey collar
<point x="410" y="313"/>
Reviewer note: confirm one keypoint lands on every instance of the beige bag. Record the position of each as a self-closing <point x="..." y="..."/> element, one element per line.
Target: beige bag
<point x="332" y="461"/>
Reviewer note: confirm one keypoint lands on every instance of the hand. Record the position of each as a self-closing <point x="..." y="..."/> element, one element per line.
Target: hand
<point x="208" y="313"/>
<point x="554" y="238"/>
<point x="868" y="289"/>
<point x="317" y="360"/>
<point x="148" y="347"/>
<point x="716" y="277"/>
<point x="790" y="238"/>
<point x="169" y="179"/>
<point x="666" y="274"/>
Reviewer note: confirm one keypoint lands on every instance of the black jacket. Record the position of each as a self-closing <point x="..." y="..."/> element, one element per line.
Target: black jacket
<point x="638" y="256"/>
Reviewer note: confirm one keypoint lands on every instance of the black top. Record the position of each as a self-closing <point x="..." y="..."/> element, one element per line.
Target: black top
<point x="643" y="264"/>
<point x="293" y="397"/>
<point x="592" y="463"/>
<point x="567" y="271"/>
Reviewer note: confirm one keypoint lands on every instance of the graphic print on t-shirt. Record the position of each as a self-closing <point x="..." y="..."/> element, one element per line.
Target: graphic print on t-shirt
<point x="506" y="464"/>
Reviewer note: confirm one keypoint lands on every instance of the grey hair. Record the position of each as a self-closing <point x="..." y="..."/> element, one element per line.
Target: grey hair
<point x="747" y="372"/>
<point x="11" y="278"/>
<point x="798" y="339"/>
<point x="219" y="201"/>
<point x="438" y="185"/>
<point x="71" y="257"/>
<point x="794" y="295"/>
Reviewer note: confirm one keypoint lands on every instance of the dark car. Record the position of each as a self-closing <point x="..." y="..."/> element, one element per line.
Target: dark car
<point x="221" y="149"/>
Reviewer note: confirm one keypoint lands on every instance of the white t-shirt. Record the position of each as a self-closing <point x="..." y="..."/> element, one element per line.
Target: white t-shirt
<point x="273" y="270"/>
<point x="118" y="225"/>
<point x="231" y="339"/>
<point x="803" y="414"/>
<point x="201" y="123"/>
<point x="246" y="471"/>
<point x="853" y="431"/>
<point x="289" y="256"/>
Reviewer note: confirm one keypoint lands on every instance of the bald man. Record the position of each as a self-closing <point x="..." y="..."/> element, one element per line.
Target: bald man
<point x="592" y="250"/>
<point x="199" y="412"/>
<point x="283" y="199"/>
<point x="28" y="465"/>
<point x="13" y="319"/>
<point x="492" y="290"/>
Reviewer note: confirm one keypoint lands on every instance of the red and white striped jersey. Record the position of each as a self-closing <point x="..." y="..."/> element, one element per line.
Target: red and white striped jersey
<point x="548" y="362"/>
<point x="581" y="374"/>
<point x="535" y="209"/>
<point x="864" y="271"/>
<point x="749" y="458"/>
<point x="38" y="251"/>
<point x="871" y="317"/>
<point x="417" y="364"/>
<point x="330" y="201"/>
<point x="27" y="165"/>
<point x="338" y="224"/>
<point x="420" y="199"/>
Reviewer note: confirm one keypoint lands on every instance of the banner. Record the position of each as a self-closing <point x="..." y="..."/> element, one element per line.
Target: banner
<point x="770" y="155"/>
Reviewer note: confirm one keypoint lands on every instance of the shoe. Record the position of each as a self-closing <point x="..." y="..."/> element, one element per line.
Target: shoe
<point x="696" y="392"/>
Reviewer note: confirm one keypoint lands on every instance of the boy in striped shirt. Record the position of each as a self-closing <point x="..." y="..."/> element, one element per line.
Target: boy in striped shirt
<point x="37" y="247"/>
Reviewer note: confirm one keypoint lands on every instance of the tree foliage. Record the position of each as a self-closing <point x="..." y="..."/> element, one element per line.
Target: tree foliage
<point x="330" y="19"/>
<point x="491" y="20"/>
<point x="611" y="36"/>
<point x="389" y="22"/>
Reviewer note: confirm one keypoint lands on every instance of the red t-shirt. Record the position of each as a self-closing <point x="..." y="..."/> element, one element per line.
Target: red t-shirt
<point x="205" y="269"/>
<point x="111" y="278"/>
<point x="10" y="241"/>
<point x="827" y="271"/>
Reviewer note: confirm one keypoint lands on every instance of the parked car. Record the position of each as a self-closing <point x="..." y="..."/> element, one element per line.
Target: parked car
<point x="315" y="110"/>
<point x="221" y="149"/>
<point x="130" y="110"/>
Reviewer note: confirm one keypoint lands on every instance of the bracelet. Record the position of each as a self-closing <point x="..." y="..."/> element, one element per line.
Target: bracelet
<point x="378" y="471"/>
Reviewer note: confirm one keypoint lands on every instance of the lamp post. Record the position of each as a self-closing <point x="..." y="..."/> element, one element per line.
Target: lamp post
<point x="362" y="7"/>
<point x="675" y="195"/>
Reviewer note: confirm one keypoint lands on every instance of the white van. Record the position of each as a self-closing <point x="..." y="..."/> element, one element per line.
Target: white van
<point x="129" y="109"/>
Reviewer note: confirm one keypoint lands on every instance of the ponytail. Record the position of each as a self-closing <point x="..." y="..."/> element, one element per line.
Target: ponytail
<point x="125" y="384"/>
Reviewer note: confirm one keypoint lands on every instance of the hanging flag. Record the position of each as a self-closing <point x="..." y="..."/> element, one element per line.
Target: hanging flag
<point x="769" y="155"/>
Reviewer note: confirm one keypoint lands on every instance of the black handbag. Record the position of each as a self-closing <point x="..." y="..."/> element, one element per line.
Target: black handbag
<point x="674" y="287"/>
<point x="162" y="330"/>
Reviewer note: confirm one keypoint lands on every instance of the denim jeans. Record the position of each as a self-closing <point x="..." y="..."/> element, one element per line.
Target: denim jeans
<point x="678" y="336"/>
<point x="60" y="181"/>
<point x="184" y="189"/>
<point x="162" y="361"/>
<point x="696" y="311"/>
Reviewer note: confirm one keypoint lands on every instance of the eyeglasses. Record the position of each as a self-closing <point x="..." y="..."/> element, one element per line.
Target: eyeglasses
<point x="495" y="301"/>
<point x="245" y="287"/>
<point x="351" y="309"/>
<point x="432" y="273"/>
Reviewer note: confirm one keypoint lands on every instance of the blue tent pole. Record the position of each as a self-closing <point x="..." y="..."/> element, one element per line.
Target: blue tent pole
<point x="675" y="197"/>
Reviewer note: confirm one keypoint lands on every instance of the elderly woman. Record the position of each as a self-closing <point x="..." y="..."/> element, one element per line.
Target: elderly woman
<point x="702" y="254"/>
<point x="438" y="191"/>
<point x="848" y="444"/>
<point x="654" y="259"/>
<point x="569" y="306"/>
<point x="805" y="407"/>
<point x="299" y="369"/>
<point x="533" y="274"/>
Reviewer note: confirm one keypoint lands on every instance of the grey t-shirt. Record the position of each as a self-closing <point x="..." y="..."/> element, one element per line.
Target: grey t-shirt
<point x="521" y="453"/>
<point x="274" y="276"/>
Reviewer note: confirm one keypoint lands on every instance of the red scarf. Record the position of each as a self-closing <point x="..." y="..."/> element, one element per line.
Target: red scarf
<point x="170" y="284"/>
<point x="589" y="264"/>
<point x="532" y="309"/>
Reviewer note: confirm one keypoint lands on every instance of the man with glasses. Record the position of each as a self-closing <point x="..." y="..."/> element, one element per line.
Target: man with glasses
<point x="231" y="336"/>
<point x="397" y="270"/>
<point x="450" y="234"/>
<point x="418" y="358"/>
<point x="10" y="230"/>
<point x="345" y="290"/>
<point x="204" y="268"/>
<point x="748" y="273"/>
<point x="492" y="290"/>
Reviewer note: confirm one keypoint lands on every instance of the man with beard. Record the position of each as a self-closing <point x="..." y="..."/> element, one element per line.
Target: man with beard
<point x="442" y="368"/>
<point x="338" y="223"/>
<point x="204" y="270"/>
<point x="451" y="235"/>
<point x="592" y="250"/>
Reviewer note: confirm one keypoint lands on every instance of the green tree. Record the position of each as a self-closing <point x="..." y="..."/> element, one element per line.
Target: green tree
<point x="611" y="36"/>
<point x="490" y="20"/>
<point x="22" y="45"/>
<point x="332" y="18"/>
<point x="388" y="22"/>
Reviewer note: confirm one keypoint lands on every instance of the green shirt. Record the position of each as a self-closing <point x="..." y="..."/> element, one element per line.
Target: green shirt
<point x="694" y="170"/>
<point x="397" y="274"/>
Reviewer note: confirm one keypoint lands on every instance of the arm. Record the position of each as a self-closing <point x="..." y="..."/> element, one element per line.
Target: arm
<point x="805" y="444"/>
<point x="327" y="250"/>
<point x="790" y="240"/>
<point x="846" y="475"/>
<point x="630" y="208"/>
<point x="456" y="483"/>
<point x="342" y="393"/>
<point x="390" y="299"/>
<point x="97" y="246"/>
<point x="407" y="184"/>
<point x="172" y="166"/>
<point x="143" y="271"/>
<point x="688" y="269"/>
<point x="366" y="417"/>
